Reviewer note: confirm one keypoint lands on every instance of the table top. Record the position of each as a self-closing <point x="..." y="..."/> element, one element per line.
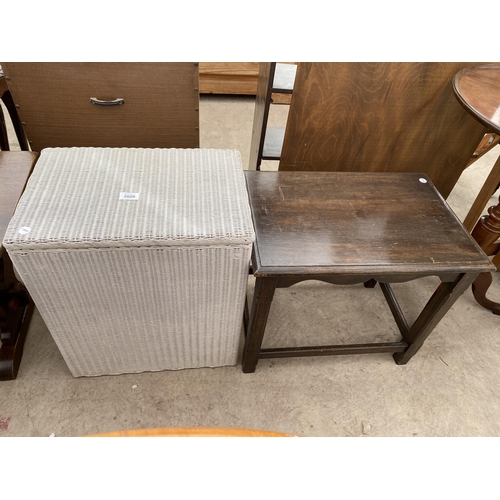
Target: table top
<point x="15" y="168"/>
<point x="354" y="223"/>
<point x="478" y="90"/>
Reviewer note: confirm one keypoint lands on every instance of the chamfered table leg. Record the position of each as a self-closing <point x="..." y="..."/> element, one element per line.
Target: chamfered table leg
<point x="261" y="304"/>
<point x="437" y="306"/>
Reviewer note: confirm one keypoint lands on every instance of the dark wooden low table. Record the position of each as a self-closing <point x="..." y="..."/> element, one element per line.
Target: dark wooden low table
<point x="346" y="228"/>
<point x="16" y="306"/>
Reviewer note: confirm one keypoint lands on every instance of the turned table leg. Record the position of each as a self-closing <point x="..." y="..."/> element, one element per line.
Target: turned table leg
<point x="486" y="233"/>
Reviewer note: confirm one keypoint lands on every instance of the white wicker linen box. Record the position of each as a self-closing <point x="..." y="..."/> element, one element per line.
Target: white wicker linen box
<point x="137" y="259"/>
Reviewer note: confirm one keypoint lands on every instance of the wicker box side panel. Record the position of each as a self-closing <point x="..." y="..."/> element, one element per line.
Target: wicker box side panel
<point x="113" y="311"/>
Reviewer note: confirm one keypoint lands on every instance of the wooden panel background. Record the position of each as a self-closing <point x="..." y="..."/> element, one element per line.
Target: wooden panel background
<point x="229" y="77"/>
<point x="380" y="117"/>
<point x="160" y="110"/>
<point x="233" y="78"/>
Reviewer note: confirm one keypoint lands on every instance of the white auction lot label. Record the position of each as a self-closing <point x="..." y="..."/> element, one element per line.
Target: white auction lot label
<point x="129" y="196"/>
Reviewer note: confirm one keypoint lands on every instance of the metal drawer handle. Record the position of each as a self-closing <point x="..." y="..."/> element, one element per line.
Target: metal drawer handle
<point x="116" y="102"/>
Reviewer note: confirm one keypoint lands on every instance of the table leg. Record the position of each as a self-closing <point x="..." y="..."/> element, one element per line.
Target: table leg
<point x="437" y="306"/>
<point x="16" y="309"/>
<point x="486" y="233"/>
<point x="479" y="288"/>
<point x="487" y="191"/>
<point x="261" y="304"/>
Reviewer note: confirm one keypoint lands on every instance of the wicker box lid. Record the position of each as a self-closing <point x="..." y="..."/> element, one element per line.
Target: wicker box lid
<point x="113" y="197"/>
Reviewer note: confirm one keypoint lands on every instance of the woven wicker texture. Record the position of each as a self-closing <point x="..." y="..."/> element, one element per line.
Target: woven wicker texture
<point x="186" y="196"/>
<point x="129" y="286"/>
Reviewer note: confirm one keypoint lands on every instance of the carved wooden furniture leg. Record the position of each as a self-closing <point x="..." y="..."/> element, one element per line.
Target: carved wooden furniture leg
<point x="478" y="90"/>
<point x="486" y="233"/>
<point x="487" y="191"/>
<point x="479" y="288"/>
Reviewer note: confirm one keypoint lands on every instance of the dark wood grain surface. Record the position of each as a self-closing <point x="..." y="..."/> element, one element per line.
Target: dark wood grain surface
<point x="15" y="168"/>
<point x="16" y="307"/>
<point x="345" y="223"/>
<point x="161" y="104"/>
<point x="400" y="117"/>
<point x="478" y="90"/>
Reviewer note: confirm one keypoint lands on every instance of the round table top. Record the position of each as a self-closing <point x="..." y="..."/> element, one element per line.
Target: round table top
<point x="478" y="90"/>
